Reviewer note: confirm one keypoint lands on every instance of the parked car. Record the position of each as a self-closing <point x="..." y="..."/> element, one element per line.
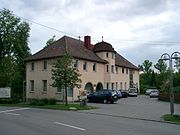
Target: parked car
<point x="133" y="92"/>
<point x="148" y="91"/>
<point x="154" y="93"/>
<point x="104" y="96"/>
<point x="119" y="94"/>
<point x="124" y="93"/>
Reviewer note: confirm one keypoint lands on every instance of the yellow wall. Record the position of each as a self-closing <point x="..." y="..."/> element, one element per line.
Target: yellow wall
<point x="100" y="75"/>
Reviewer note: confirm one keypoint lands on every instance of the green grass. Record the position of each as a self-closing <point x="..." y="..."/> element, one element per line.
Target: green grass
<point x="55" y="107"/>
<point x="172" y="118"/>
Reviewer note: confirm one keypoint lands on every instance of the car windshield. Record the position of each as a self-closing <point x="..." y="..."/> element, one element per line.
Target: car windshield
<point x="132" y="90"/>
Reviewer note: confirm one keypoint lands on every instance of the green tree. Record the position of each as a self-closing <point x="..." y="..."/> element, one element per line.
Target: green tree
<point x="50" y="41"/>
<point x="146" y="67"/>
<point x="177" y="64"/>
<point x="161" y="66"/>
<point x="64" y="75"/>
<point x="14" y="48"/>
<point x="145" y="77"/>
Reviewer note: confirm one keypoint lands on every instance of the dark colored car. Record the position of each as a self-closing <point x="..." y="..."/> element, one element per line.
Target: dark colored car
<point x="124" y="93"/>
<point x="119" y="94"/>
<point x="104" y="96"/>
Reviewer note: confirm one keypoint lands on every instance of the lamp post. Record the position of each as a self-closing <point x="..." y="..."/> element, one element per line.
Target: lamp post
<point x="166" y="56"/>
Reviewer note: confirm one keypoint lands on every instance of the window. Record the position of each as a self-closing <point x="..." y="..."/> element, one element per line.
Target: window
<point x="107" y="54"/>
<point x="45" y="65"/>
<point x="123" y="70"/>
<point x="112" y="68"/>
<point x="94" y="67"/>
<point x="121" y="86"/>
<point x="125" y="86"/>
<point x="116" y="69"/>
<point x="107" y="68"/>
<point x="59" y="90"/>
<point x="112" y="86"/>
<point x="75" y="64"/>
<point x="32" y="66"/>
<point x="116" y="85"/>
<point x="126" y="71"/>
<point x="112" y="55"/>
<point x="44" y="85"/>
<point x="107" y="86"/>
<point x="85" y="66"/>
<point x="69" y="92"/>
<point x="31" y="85"/>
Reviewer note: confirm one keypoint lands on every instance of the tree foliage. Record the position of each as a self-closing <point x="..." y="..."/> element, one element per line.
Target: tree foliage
<point x="159" y="79"/>
<point x="161" y="66"/>
<point x="64" y="75"/>
<point x="50" y="41"/>
<point x="14" y="48"/>
<point x="146" y="67"/>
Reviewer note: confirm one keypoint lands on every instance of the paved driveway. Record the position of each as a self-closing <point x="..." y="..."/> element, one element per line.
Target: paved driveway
<point x="141" y="107"/>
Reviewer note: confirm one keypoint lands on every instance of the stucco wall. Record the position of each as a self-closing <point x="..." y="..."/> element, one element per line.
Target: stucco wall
<point x="100" y="75"/>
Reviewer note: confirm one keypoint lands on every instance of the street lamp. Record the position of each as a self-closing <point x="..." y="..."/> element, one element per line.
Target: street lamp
<point x="166" y="56"/>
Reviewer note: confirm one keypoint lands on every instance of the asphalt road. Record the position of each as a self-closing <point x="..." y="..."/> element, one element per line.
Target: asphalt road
<point x="53" y="122"/>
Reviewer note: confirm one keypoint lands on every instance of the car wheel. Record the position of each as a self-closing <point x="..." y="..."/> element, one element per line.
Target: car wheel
<point x="105" y="101"/>
<point x="111" y="102"/>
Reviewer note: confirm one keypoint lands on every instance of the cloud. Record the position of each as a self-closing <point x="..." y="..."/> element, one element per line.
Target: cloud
<point x="126" y="24"/>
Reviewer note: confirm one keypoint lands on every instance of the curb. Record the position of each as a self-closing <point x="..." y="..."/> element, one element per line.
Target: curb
<point x="127" y="117"/>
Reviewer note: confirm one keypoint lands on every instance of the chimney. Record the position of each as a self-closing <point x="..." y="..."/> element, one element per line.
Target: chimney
<point x="87" y="42"/>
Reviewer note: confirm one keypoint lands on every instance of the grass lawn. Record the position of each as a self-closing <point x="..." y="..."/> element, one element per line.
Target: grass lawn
<point x="55" y="107"/>
<point x="172" y="118"/>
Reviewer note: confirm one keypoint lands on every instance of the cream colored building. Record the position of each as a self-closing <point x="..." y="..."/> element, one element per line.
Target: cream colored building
<point x="100" y="66"/>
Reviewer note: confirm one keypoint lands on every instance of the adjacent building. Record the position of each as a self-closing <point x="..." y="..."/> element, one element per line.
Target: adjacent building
<point x="100" y="66"/>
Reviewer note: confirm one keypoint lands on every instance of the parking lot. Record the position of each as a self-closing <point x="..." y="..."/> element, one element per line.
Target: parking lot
<point x="141" y="107"/>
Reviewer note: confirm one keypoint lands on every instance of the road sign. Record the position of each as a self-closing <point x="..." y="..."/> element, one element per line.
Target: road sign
<point x="5" y="92"/>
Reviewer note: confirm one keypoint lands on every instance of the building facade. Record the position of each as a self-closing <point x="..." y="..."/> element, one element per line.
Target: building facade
<point x="100" y="66"/>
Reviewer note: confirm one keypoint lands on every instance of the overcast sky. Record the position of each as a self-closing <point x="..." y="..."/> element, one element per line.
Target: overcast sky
<point x="137" y="29"/>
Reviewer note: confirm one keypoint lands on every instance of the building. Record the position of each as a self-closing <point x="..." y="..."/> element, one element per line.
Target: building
<point x="100" y="66"/>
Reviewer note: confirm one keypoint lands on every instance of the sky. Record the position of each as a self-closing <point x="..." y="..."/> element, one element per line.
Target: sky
<point x="137" y="29"/>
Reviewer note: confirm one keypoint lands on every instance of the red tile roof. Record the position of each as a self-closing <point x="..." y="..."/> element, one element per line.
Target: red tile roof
<point x="77" y="49"/>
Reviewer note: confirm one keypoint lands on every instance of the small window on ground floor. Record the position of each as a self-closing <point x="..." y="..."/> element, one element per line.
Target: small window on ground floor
<point x="44" y="85"/>
<point x="31" y="85"/>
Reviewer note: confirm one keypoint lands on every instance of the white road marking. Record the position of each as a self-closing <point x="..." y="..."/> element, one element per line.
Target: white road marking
<point x="13" y="114"/>
<point x="19" y="109"/>
<point x="82" y="129"/>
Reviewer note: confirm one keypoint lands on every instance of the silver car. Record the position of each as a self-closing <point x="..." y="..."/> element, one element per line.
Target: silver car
<point x="154" y="93"/>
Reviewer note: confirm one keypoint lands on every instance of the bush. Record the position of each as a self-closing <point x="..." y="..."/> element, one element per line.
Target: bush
<point x="40" y="103"/>
<point x="177" y="89"/>
<point x="52" y="101"/>
<point x="44" y="100"/>
<point x="34" y="101"/>
<point x="9" y="101"/>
